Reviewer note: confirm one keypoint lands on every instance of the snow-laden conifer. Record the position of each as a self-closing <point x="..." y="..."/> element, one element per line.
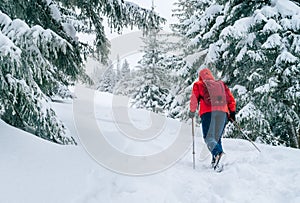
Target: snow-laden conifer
<point x="41" y="55"/>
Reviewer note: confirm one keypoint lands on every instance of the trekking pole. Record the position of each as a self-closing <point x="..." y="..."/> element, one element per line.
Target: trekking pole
<point x="239" y="127"/>
<point x="193" y="135"/>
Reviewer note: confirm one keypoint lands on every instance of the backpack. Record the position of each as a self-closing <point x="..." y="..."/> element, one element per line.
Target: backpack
<point x="214" y="93"/>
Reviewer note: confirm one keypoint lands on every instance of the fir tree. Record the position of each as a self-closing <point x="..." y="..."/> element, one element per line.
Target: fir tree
<point x="180" y="76"/>
<point x="124" y="86"/>
<point x="152" y="87"/>
<point x="108" y="80"/>
<point x="125" y="70"/>
<point x="186" y="64"/>
<point x="118" y="69"/>
<point x="253" y="46"/>
<point x="40" y="54"/>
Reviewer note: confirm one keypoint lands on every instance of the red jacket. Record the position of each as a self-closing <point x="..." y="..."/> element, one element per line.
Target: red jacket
<point x="198" y="91"/>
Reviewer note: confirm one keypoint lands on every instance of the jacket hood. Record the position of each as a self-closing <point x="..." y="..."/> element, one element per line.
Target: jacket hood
<point x="205" y="74"/>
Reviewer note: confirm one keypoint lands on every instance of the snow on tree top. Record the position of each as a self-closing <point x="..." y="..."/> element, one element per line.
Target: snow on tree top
<point x="250" y="110"/>
<point x="268" y="12"/>
<point x="219" y="21"/>
<point x="7" y="48"/>
<point x="266" y="88"/>
<point x="4" y="20"/>
<point x="16" y="28"/>
<point x="239" y="28"/>
<point x="55" y="13"/>
<point x="286" y="7"/>
<point x="210" y="13"/>
<point x="295" y="23"/>
<point x="272" y="26"/>
<point x="287" y="57"/>
<point x="70" y="30"/>
<point x="240" y="89"/>
<point x="296" y="45"/>
<point x="273" y="41"/>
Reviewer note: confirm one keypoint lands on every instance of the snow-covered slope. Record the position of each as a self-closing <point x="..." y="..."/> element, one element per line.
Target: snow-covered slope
<point x="33" y="170"/>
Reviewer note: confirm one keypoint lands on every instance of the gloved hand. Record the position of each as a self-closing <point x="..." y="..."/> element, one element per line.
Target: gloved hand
<point x="191" y="114"/>
<point x="232" y="116"/>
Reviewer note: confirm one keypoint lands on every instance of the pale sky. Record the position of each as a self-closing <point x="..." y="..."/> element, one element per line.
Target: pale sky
<point x="162" y="7"/>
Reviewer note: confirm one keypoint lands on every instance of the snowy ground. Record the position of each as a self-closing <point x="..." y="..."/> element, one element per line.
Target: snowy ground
<point x="33" y="170"/>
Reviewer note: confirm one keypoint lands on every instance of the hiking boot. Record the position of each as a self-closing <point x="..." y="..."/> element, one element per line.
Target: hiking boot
<point x="213" y="161"/>
<point x="219" y="159"/>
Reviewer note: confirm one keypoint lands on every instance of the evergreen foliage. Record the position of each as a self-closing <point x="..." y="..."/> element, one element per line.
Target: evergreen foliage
<point x="108" y="80"/>
<point x="180" y="77"/>
<point x="254" y="47"/>
<point x="186" y="63"/>
<point x="41" y="56"/>
<point x="152" y="86"/>
<point x="124" y="86"/>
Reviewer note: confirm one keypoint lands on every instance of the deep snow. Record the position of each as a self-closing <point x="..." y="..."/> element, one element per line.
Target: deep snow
<point x="34" y="170"/>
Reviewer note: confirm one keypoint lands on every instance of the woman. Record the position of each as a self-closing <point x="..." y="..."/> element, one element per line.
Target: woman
<point x="214" y="111"/>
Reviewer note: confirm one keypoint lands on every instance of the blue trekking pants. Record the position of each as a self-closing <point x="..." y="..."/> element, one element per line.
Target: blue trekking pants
<point x="213" y="124"/>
